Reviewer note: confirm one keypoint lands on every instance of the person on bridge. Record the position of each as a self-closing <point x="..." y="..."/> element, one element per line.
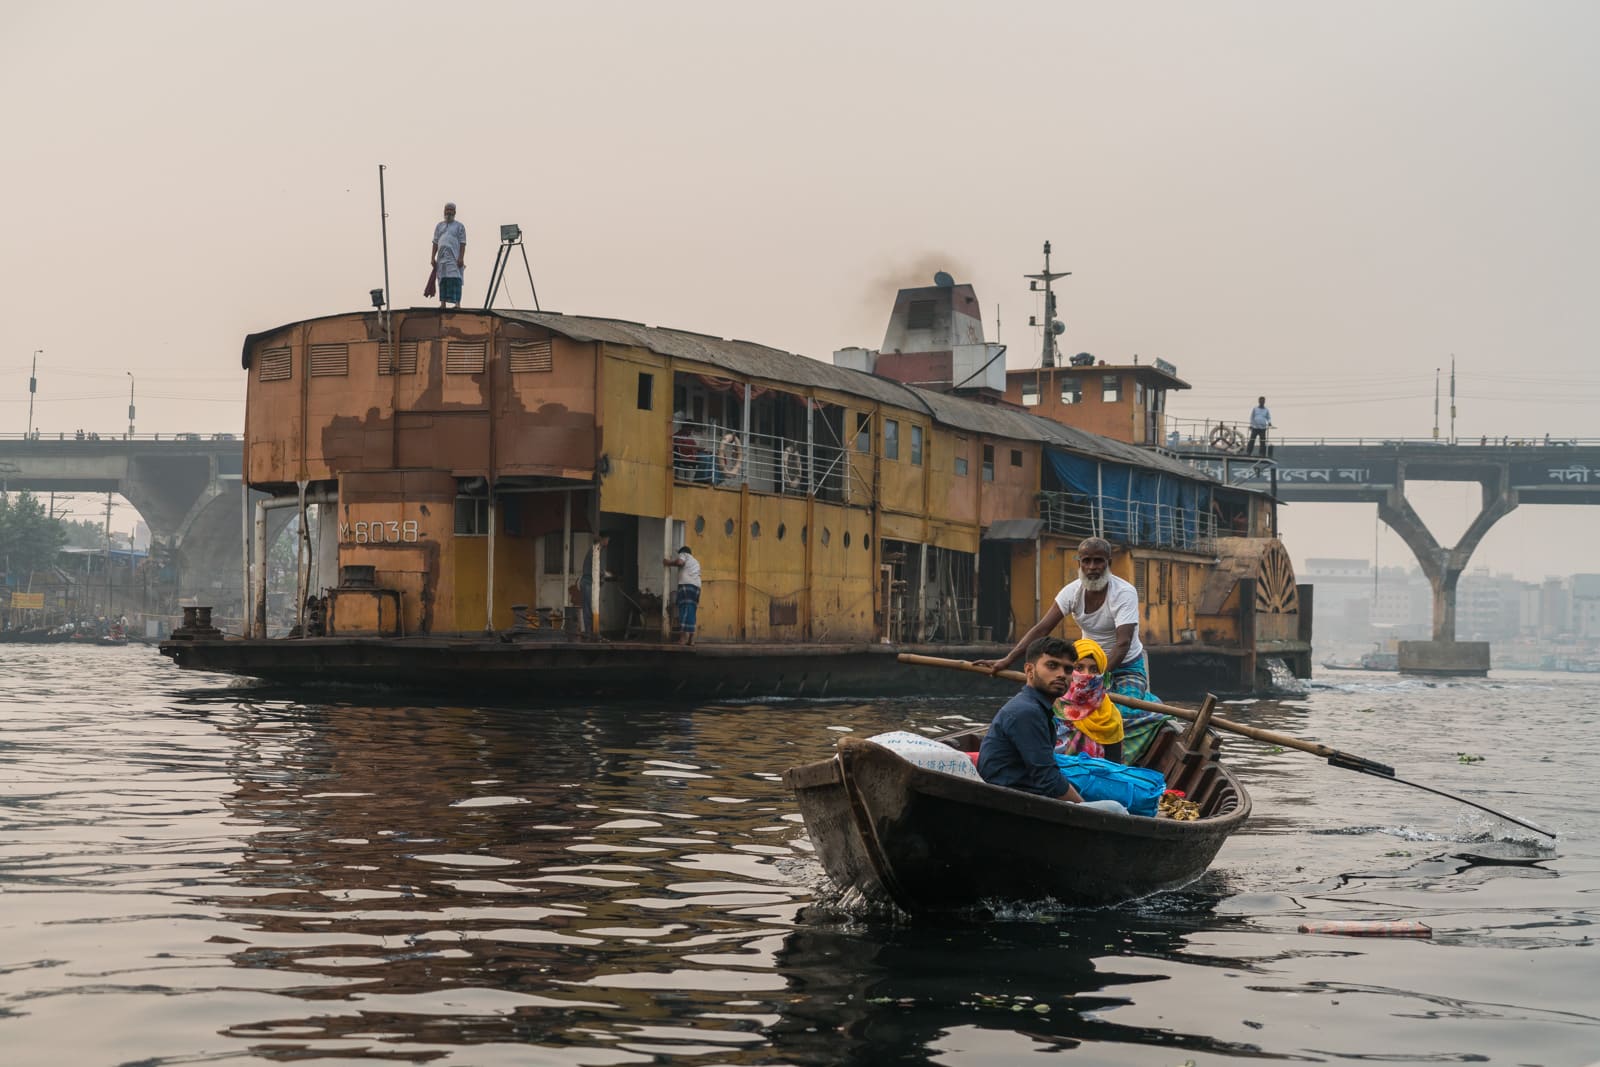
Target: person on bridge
<point x="1260" y="422"/>
<point x="449" y="256"/>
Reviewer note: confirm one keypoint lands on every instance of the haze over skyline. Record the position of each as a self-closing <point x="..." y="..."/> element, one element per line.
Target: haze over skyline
<point x="1321" y="204"/>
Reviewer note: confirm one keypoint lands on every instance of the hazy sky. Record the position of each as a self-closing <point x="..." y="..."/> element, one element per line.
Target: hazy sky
<point x="1320" y="202"/>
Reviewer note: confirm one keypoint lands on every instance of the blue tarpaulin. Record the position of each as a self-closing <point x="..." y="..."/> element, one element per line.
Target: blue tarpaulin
<point x="1135" y="505"/>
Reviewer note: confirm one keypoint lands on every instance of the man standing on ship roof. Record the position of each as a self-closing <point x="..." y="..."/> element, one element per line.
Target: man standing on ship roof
<point x="449" y="256"/>
<point x="1106" y="610"/>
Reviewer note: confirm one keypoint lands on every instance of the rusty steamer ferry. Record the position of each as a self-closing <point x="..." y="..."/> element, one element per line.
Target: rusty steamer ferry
<point x="452" y="469"/>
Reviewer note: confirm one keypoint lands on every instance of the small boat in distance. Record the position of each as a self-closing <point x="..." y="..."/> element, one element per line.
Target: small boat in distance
<point x="929" y="841"/>
<point x="1370" y="661"/>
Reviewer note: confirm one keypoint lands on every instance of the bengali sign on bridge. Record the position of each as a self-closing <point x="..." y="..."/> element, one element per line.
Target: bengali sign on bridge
<point x="1548" y="475"/>
<point x="28" y="600"/>
<point x="1260" y="475"/>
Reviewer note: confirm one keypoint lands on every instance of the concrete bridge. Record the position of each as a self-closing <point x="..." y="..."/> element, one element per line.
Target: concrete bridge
<point x="185" y="486"/>
<point x="1510" y="472"/>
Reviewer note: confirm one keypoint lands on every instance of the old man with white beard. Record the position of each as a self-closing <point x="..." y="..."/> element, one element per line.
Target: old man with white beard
<point x="1106" y="609"/>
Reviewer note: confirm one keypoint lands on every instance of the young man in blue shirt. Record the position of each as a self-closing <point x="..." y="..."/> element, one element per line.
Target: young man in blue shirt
<point x="1018" y="752"/>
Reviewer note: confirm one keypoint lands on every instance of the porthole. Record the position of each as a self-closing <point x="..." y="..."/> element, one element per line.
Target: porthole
<point x="847" y="539"/>
<point x="802" y="535"/>
<point x="866" y="542"/>
<point x="699" y="524"/>
<point x="782" y="529"/>
<point x="827" y="535"/>
<point x="727" y="527"/>
<point x="755" y="530"/>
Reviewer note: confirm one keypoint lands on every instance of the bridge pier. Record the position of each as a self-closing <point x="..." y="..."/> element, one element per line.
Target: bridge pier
<point x="1442" y="567"/>
<point x="1525" y="472"/>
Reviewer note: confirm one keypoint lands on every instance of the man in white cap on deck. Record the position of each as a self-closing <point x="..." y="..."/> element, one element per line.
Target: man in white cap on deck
<point x="449" y="256"/>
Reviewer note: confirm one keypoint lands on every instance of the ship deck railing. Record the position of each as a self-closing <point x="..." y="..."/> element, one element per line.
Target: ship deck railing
<point x="1132" y="523"/>
<point x="770" y="463"/>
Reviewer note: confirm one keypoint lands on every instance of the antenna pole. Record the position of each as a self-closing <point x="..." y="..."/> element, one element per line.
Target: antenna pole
<point x="1452" y="398"/>
<point x="383" y="221"/>
<point x="1436" y="403"/>
<point x="33" y="387"/>
<point x="1048" y="351"/>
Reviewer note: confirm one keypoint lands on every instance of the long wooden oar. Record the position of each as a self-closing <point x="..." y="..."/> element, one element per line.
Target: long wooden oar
<point x="1346" y="760"/>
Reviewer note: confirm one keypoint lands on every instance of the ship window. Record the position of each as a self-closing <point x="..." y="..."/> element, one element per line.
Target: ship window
<point x="1016" y="457"/>
<point x="1030" y="394"/>
<point x="647" y="388"/>
<point x="1110" y="388"/>
<point x="1071" y="391"/>
<point x="988" y="463"/>
<point x="330" y="361"/>
<point x="863" y="432"/>
<point x="525" y="357"/>
<point x="920" y="315"/>
<point x="847" y="539"/>
<point x="472" y="516"/>
<point x="891" y="439"/>
<point x="727" y="528"/>
<point x="274" y="365"/>
<point x="1138" y="392"/>
<point x="827" y="536"/>
<point x="755" y="530"/>
<point x="961" y="457"/>
<point x="408" y="358"/>
<point x="699" y="524"/>
<point x="866" y="542"/>
<point x="553" y="554"/>
<point x="916" y="446"/>
<point x="464" y="357"/>
<point x="782" y="529"/>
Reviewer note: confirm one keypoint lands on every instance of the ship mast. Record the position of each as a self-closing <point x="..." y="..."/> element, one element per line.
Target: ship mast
<point x="1053" y="327"/>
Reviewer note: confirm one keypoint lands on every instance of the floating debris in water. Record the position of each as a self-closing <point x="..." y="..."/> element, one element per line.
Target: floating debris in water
<point x="1397" y="928"/>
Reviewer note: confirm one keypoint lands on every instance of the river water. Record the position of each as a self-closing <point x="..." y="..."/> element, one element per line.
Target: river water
<point x="195" y="871"/>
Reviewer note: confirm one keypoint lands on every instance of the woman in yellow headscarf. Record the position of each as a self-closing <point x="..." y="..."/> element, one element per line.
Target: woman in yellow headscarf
<point x="1088" y="723"/>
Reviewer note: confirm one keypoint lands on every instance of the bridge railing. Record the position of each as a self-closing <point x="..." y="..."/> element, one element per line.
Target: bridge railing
<point x="1482" y="441"/>
<point x="1230" y="436"/>
<point x="88" y="435"/>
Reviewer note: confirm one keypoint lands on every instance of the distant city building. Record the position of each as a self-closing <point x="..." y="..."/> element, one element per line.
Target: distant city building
<point x="1553" y="624"/>
<point x="1586" y="605"/>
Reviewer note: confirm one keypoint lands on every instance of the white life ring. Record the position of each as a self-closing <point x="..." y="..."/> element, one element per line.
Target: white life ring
<point x="793" y="469"/>
<point x="730" y="455"/>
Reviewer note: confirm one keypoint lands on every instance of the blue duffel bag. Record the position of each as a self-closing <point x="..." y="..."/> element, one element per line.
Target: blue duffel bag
<point x="1135" y="788"/>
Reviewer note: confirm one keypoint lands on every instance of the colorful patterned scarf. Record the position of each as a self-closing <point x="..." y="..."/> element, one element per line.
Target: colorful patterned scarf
<point x="1086" y="709"/>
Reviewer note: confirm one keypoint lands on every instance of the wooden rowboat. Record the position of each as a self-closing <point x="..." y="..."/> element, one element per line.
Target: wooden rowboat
<point x="929" y="842"/>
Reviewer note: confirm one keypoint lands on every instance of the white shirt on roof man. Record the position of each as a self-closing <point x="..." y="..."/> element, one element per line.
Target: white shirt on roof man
<point x="449" y="244"/>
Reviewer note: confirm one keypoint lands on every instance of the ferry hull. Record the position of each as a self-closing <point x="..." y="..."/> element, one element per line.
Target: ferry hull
<point x="546" y="672"/>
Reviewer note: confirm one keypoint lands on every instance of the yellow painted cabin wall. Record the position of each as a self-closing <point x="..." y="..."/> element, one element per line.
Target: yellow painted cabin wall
<point x="636" y="444"/>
